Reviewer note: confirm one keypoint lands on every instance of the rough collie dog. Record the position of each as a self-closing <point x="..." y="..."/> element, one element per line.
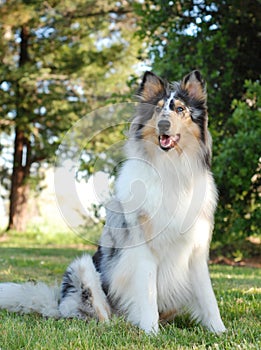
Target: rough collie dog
<point x="151" y="263"/>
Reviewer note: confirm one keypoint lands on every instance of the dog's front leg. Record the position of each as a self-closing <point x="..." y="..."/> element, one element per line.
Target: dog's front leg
<point x="134" y="286"/>
<point x="146" y="296"/>
<point x="205" y="307"/>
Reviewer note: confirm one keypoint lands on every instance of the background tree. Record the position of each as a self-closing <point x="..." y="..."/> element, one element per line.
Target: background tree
<point x="61" y="59"/>
<point x="222" y="39"/>
<point x="58" y="61"/>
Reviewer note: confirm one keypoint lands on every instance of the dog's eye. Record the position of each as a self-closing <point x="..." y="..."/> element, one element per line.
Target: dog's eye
<point x="158" y="109"/>
<point x="179" y="109"/>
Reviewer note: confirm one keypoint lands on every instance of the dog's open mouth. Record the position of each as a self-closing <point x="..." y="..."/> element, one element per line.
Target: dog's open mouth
<point x="168" y="142"/>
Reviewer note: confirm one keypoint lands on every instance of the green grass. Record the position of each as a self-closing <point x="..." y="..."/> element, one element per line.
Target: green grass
<point x="37" y="237"/>
<point x="238" y="292"/>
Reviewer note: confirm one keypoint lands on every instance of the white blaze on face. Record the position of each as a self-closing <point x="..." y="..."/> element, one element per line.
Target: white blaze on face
<point x="166" y="108"/>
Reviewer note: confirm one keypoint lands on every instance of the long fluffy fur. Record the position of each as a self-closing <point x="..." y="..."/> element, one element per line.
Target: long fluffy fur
<point x="30" y="297"/>
<point x="151" y="263"/>
<point x="81" y="292"/>
<point x="80" y="295"/>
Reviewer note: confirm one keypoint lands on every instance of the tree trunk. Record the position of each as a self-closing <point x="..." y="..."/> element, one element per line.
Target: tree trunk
<point x="19" y="185"/>
<point x="18" y="209"/>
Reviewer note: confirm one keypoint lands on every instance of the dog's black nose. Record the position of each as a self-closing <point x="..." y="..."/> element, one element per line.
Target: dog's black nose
<point x="163" y="126"/>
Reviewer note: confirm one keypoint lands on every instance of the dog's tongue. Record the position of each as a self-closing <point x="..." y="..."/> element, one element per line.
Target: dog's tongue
<point x="165" y="141"/>
<point x="168" y="142"/>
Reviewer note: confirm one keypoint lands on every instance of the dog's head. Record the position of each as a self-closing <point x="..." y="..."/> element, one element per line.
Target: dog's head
<point x="173" y="116"/>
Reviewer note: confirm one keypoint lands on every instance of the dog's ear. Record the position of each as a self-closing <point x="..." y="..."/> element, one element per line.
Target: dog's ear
<point x="150" y="87"/>
<point x="195" y="86"/>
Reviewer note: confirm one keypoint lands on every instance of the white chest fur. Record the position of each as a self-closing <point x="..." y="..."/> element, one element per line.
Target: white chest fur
<point x="170" y="197"/>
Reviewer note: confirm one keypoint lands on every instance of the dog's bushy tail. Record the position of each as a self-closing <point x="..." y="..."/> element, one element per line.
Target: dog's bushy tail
<point x="80" y="295"/>
<point x="30" y="297"/>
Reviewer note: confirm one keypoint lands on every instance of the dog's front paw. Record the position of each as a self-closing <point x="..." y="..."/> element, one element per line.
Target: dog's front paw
<point x="149" y="326"/>
<point x="216" y="326"/>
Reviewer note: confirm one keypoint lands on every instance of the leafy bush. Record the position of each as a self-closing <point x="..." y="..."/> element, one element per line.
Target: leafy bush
<point x="237" y="169"/>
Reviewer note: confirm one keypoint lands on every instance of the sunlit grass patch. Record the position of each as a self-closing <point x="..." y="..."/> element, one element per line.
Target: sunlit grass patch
<point x="50" y="237"/>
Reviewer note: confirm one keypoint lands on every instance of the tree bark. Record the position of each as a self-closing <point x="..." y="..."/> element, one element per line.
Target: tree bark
<point x="18" y="209"/>
<point x="20" y="188"/>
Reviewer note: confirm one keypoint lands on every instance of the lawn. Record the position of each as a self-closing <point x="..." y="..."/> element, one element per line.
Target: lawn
<point x="238" y="291"/>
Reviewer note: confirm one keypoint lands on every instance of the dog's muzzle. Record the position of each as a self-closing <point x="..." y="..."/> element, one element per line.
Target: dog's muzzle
<point x="166" y="140"/>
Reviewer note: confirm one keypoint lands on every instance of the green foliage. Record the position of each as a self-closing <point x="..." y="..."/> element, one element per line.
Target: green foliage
<point x="237" y="169"/>
<point x="218" y="38"/>
<point x="79" y="55"/>
<point x="73" y="59"/>
<point x="59" y="60"/>
<point x="221" y="38"/>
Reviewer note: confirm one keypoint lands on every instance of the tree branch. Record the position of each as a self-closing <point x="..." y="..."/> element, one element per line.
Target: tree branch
<point x="119" y="11"/>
